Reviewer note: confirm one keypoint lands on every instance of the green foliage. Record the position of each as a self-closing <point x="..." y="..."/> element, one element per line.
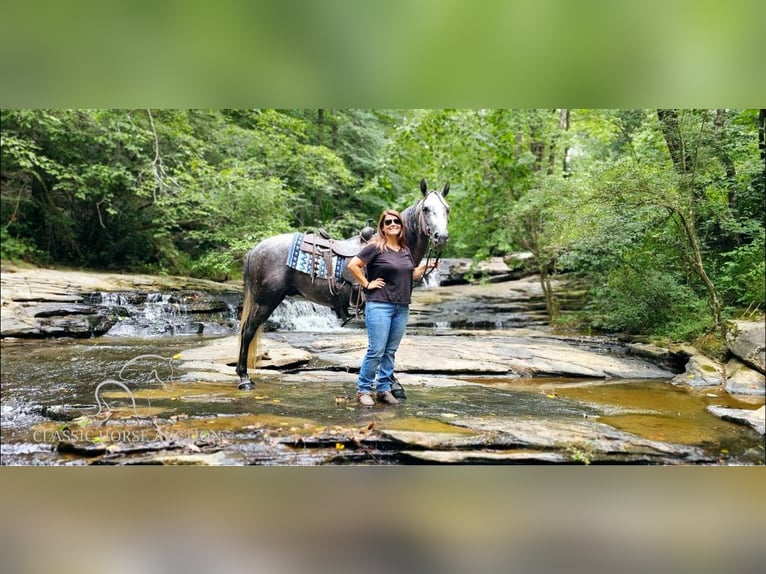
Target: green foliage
<point x="15" y="249"/>
<point x="648" y="302"/>
<point x="660" y="212"/>
<point x="580" y="453"/>
<point x="171" y="190"/>
<point x="742" y="280"/>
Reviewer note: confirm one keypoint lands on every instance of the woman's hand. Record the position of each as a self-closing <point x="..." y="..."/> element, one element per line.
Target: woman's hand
<point x="420" y="271"/>
<point x="376" y="284"/>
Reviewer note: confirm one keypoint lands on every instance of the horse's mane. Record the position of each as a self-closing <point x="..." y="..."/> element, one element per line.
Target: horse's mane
<point x="410" y="220"/>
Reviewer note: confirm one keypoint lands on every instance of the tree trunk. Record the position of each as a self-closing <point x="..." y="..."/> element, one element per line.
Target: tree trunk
<point x="684" y="164"/>
<point x="551" y="304"/>
<point x="731" y="173"/>
<point x="713" y="300"/>
<point x="564" y="126"/>
<point x="320" y="126"/>
<point x="674" y="140"/>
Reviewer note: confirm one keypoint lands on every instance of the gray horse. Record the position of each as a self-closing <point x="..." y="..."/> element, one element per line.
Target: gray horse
<point x="268" y="279"/>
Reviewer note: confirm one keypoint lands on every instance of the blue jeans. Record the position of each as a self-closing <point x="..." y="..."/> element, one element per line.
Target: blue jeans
<point x="385" y="323"/>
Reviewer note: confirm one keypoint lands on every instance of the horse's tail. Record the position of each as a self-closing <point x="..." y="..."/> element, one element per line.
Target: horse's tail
<point x="247" y="309"/>
<point x="252" y="350"/>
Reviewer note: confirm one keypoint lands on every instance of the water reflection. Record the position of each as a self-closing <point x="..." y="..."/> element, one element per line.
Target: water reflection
<point x="288" y="411"/>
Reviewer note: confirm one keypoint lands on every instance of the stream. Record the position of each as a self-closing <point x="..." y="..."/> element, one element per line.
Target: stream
<point x="55" y="413"/>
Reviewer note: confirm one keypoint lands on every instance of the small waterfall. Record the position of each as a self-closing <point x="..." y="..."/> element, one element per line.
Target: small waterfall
<point x="164" y="313"/>
<point x="432" y="280"/>
<point x="298" y="314"/>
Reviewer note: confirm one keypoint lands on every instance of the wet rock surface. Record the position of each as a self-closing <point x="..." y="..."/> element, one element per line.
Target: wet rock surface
<point x="521" y="394"/>
<point x="755" y="418"/>
<point x="747" y="341"/>
<point x="43" y="303"/>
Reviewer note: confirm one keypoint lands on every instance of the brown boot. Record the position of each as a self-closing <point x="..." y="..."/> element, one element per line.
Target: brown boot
<point x="387" y="397"/>
<point x="365" y="399"/>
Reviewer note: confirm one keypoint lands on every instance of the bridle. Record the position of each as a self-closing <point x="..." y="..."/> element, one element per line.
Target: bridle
<point x="429" y="233"/>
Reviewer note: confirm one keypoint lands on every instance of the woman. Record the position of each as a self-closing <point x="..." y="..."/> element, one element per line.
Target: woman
<point x="391" y="271"/>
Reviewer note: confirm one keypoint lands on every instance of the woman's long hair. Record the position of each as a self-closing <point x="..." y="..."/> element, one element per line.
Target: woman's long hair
<point x="380" y="239"/>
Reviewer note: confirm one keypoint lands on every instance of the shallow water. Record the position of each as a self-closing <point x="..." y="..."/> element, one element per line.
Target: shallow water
<point x="38" y="374"/>
<point x="268" y="425"/>
<point x="656" y="410"/>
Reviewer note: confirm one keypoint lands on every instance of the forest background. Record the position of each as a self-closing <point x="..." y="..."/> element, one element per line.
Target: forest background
<point x="660" y="212"/>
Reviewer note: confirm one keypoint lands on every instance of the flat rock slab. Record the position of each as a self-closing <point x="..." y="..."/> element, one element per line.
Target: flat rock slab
<point x="585" y="438"/>
<point x="485" y="457"/>
<point x="486" y="352"/>
<point x="755" y="418"/>
<point x="221" y="355"/>
<point x="60" y="285"/>
<point x="496" y="439"/>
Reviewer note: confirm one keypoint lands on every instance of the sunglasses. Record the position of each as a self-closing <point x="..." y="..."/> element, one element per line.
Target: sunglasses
<point x="391" y="222"/>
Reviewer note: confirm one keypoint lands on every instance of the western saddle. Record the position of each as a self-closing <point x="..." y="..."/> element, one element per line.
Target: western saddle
<point x="321" y="245"/>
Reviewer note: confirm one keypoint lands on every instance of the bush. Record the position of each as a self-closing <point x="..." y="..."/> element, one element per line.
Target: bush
<point x="653" y="302"/>
<point x="15" y="249"/>
<point x="742" y="278"/>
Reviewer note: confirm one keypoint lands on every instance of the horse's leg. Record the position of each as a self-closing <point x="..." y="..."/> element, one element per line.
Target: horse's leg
<point x="253" y="316"/>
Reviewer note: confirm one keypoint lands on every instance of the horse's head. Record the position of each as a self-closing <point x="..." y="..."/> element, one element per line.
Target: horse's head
<point x="434" y="214"/>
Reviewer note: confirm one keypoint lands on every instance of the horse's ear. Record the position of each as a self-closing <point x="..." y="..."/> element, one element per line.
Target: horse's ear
<point x="423" y="187"/>
<point x="445" y="191"/>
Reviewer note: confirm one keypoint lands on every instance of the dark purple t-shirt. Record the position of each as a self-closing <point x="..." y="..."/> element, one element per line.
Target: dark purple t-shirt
<point x="395" y="267"/>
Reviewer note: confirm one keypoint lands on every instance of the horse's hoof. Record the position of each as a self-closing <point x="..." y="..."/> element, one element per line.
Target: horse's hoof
<point x="246" y="386"/>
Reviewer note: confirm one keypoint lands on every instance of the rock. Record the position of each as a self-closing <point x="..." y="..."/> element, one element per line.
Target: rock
<point x="39" y="303"/>
<point x="700" y="372"/>
<point x="498" y="439"/>
<point x="457" y="271"/>
<point x="663" y="357"/>
<point x="743" y="380"/>
<point x="183" y="459"/>
<point x="55" y="319"/>
<point x="437" y="440"/>
<point x="521" y="257"/>
<point x="747" y="341"/>
<point x="487" y="352"/>
<point x="486" y="457"/>
<point x="222" y="354"/>
<point x="753" y="418"/>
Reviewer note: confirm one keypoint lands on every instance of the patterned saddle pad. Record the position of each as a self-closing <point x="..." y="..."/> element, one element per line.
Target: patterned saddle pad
<point x="313" y="263"/>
